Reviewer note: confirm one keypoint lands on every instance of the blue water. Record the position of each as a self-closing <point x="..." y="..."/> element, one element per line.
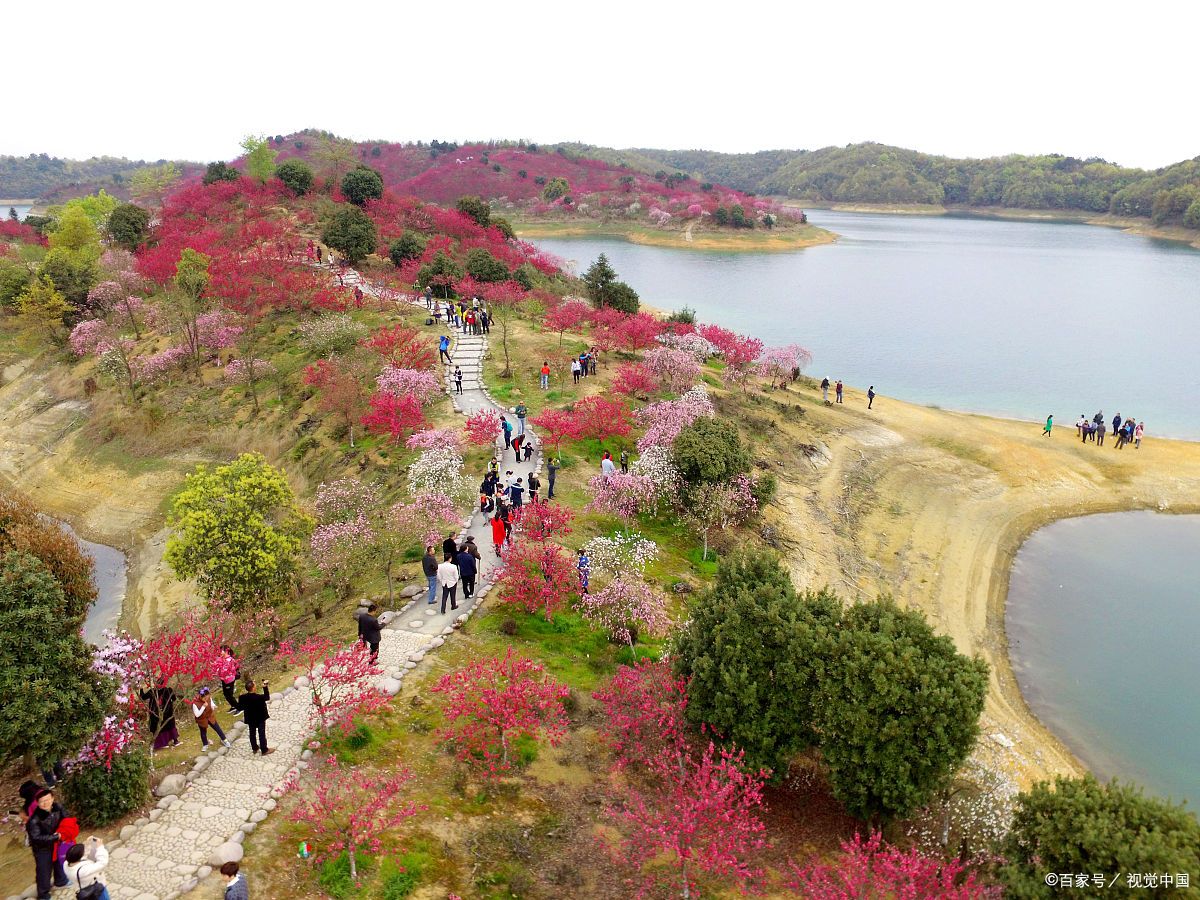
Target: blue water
<point x="1103" y="615"/>
<point x="1018" y="319"/>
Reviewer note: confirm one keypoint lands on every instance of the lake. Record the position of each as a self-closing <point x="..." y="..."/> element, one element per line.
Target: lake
<point x="1017" y="319"/>
<point x="1102" y="618"/>
<point x="109" y="577"/>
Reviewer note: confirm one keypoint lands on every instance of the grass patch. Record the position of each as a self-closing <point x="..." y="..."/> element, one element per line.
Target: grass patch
<point x="966" y="452"/>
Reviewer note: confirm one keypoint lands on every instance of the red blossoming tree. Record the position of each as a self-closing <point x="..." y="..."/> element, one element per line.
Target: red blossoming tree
<point x="341" y="680"/>
<point x="570" y="315"/>
<point x="340" y="390"/>
<point x="600" y="418"/>
<point x="392" y="415"/>
<point x="401" y="347"/>
<point x="483" y="427"/>
<point x="350" y="810"/>
<point x="635" y="380"/>
<point x="492" y="702"/>
<point x="556" y="426"/>
<point x="538" y="577"/>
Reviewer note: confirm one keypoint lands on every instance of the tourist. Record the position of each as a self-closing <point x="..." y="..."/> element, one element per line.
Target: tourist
<point x="448" y="579"/>
<point x="369" y="631"/>
<point x="870" y="396"/>
<point x="466" y="571"/>
<point x="458" y="376"/>
<point x="235" y="884"/>
<point x="825" y="390"/>
<point x="506" y="426"/>
<point x="516" y="494"/>
<point x="1138" y="431"/>
<point x="450" y="545"/>
<point x="535" y="486"/>
<point x="358" y="297"/>
<point x="429" y="566"/>
<point x="1049" y="425"/>
<point x="546" y="375"/>
<point x="487" y="490"/>
<point x="606" y="465"/>
<point x="470" y="547"/>
<point x="229" y="680"/>
<point x="84" y="865"/>
<point x="1100" y="433"/>
<point x="575" y="370"/>
<point x="527" y="449"/>
<point x="583" y="363"/>
<point x="593" y="357"/>
<point x="624" y="462"/>
<point x="255" y="715"/>
<point x="497" y="531"/>
<point x="205" y="713"/>
<point x="521" y="412"/>
<point x="552" y="468"/>
<point x="1098" y="417"/>
<point x="485" y="319"/>
<point x="1079" y="426"/>
<point x="429" y="298"/>
<point x="1085" y="432"/>
<point x="1116" y="424"/>
<point x="838" y="391"/>
<point x="443" y="347"/>
<point x="516" y="447"/>
<point x="584" y="565"/>
<point x="160" y="703"/>
<point x="43" y="834"/>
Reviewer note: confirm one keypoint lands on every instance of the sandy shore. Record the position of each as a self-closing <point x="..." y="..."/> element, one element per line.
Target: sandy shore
<point x="759" y="240"/>
<point x="932" y="506"/>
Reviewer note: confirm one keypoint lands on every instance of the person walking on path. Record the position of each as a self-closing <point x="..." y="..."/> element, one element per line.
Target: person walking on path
<point x="606" y="465"/>
<point x="235" y="882"/>
<point x="526" y="449"/>
<point x="552" y="468"/>
<point x="448" y="578"/>
<point x="1138" y="431"/>
<point x="825" y="391"/>
<point x="1049" y="425"/>
<point x="546" y="375"/>
<point x="535" y="487"/>
<point x="584" y="565"/>
<point x="498" y="532"/>
<point x="839" y="391"/>
<point x="506" y="426"/>
<point x="485" y="319"/>
<point x="444" y="349"/>
<point x="466" y="571"/>
<point x="516" y="495"/>
<point x="870" y="396"/>
<point x="369" y="630"/>
<point x="160" y="703"/>
<point x="255" y="715"/>
<point x="205" y="713"/>
<point x="521" y="412"/>
<point x="229" y="681"/>
<point x="42" y="831"/>
<point x="429" y="565"/>
<point x="458" y="376"/>
<point x="593" y="357"/>
<point x="84" y="865"/>
<point x="624" y="462"/>
<point x="470" y="547"/>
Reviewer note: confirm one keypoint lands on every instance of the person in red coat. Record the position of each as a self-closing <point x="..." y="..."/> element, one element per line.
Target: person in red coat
<point x="498" y="533"/>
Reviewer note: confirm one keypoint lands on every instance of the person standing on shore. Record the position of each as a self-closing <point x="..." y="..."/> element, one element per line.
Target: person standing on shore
<point x="825" y="391"/>
<point x="870" y="396"/>
<point x="255" y="715"/>
<point x="838" y="390"/>
<point x="1049" y="425"/>
<point x="1100" y="433"/>
<point x="1138" y="431"/>
<point x="1080" y="425"/>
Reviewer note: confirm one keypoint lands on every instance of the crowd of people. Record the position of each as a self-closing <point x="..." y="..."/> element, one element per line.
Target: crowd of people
<point x="472" y="318"/>
<point x="1125" y="430"/>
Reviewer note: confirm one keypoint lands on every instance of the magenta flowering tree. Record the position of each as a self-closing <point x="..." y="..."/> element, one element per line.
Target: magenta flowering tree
<point x="341" y="680"/>
<point x="431" y="438"/>
<point x="624" y="606"/>
<point x="156" y="366"/>
<point x="114" y="736"/>
<point x="482" y="427"/>
<point x="664" y="420"/>
<point x="738" y="351"/>
<point x="417" y="383"/>
<point x="113" y="298"/>
<point x="90" y="336"/>
<point x="217" y="330"/>
<point x="342" y="550"/>
<point x="678" y="370"/>
<point x="622" y="494"/>
<point x="778" y="364"/>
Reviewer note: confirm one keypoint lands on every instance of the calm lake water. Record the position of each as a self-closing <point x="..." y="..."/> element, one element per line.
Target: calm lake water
<point x="1018" y="319"/>
<point x="1103" y="615"/>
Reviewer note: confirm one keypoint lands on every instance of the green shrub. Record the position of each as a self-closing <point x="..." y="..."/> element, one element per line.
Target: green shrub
<point x="709" y="451"/>
<point x="99" y="796"/>
<point x="362" y="184"/>
<point x="334" y="875"/>
<point x="301" y="448"/>
<point x="763" y="489"/>
<point x="360" y="738"/>
<point x="295" y="175"/>
<point x="410" y="245"/>
<point x="482" y="266"/>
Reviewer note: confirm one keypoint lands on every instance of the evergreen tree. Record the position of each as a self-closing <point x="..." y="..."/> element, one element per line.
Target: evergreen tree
<point x="754" y="652"/>
<point x="477" y="208"/>
<point x="710" y="451"/>
<point x="220" y="171"/>
<point x="53" y="701"/>
<point x="410" y="245"/>
<point x="598" y="278"/>
<point x="362" y="184"/>
<point x="296" y="176"/>
<point x="351" y="233"/>
<point x="128" y="225"/>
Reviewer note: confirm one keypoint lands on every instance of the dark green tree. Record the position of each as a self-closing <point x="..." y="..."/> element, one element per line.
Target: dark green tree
<point x="362" y="184"/>
<point x="220" y="171"/>
<point x="351" y="233"/>
<point x="504" y="227"/>
<point x="477" y="208"/>
<point x="899" y="710"/>
<point x="296" y="176"/>
<point x="754" y="652"/>
<point x="737" y="216"/>
<point x="710" y="451"/>
<point x="73" y="275"/>
<point x="482" y="266"/>
<point x="524" y="275"/>
<point x="410" y="245"/>
<point x="14" y="279"/>
<point x="100" y="795"/>
<point x="721" y="216"/>
<point x="128" y="225"/>
<point x="558" y="187"/>
<point x="598" y="278"/>
<point x="623" y="298"/>
<point x="53" y="701"/>
<point x="1080" y="825"/>
<point x="440" y="272"/>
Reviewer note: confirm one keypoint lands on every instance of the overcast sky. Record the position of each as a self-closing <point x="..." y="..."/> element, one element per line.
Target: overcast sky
<point x="188" y="80"/>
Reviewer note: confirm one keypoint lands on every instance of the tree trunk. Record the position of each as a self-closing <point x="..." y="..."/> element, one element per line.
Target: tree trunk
<point x="353" y="867"/>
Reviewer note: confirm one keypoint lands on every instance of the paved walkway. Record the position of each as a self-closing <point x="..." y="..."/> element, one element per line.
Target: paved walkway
<point x="205" y="815"/>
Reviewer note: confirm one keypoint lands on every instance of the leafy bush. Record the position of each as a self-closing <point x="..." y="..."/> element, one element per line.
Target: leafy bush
<point x="558" y="187"/>
<point x="763" y="489"/>
<point x="334" y="875"/>
<point x="709" y="451"/>
<point x="362" y="184"/>
<point x="482" y="266"/>
<point x="220" y="171"/>
<point x="99" y="796"/>
<point x="1080" y="825"/>
<point x="351" y="233"/>
<point x="296" y="176"/>
<point x="477" y="208"/>
<point x="410" y="245"/>
<point x="128" y="225"/>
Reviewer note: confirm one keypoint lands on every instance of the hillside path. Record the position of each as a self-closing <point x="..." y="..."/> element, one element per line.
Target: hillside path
<point x="203" y="816"/>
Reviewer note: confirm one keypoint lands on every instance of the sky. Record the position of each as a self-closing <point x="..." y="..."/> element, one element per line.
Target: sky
<point x="184" y="80"/>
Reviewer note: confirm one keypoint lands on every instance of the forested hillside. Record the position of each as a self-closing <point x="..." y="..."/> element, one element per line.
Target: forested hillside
<point x="877" y="173"/>
<point x="39" y="176"/>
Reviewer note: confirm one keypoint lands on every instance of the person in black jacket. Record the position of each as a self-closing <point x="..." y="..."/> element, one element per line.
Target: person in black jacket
<point x="429" y="566"/>
<point x="449" y="546"/>
<point x="466" y="571"/>
<point x="254" y="713"/>
<point x="368" y="630"/>
<point x="42" y="829"/>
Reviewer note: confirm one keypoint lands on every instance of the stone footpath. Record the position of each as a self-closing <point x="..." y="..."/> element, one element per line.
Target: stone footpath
<point x="202" y="817"/>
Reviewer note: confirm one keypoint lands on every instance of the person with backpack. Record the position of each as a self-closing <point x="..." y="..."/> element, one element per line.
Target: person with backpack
<point x="506" y="426"/>
<point x="229" y="680"/>
<point x="205" y="713"/>
<point x="255" y="715"/>
<point x="838" y="390"/>
<point x="42" y="830"/>
<point x="83" y="868"/>
<point x="825" y="391"/>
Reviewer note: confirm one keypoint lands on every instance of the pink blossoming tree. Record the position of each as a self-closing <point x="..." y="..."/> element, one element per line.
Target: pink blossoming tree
<point x="341" y="680"/>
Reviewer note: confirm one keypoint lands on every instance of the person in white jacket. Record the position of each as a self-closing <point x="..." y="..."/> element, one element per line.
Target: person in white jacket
<point x="84" y="864"/>
<point x="448" y="578"/>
